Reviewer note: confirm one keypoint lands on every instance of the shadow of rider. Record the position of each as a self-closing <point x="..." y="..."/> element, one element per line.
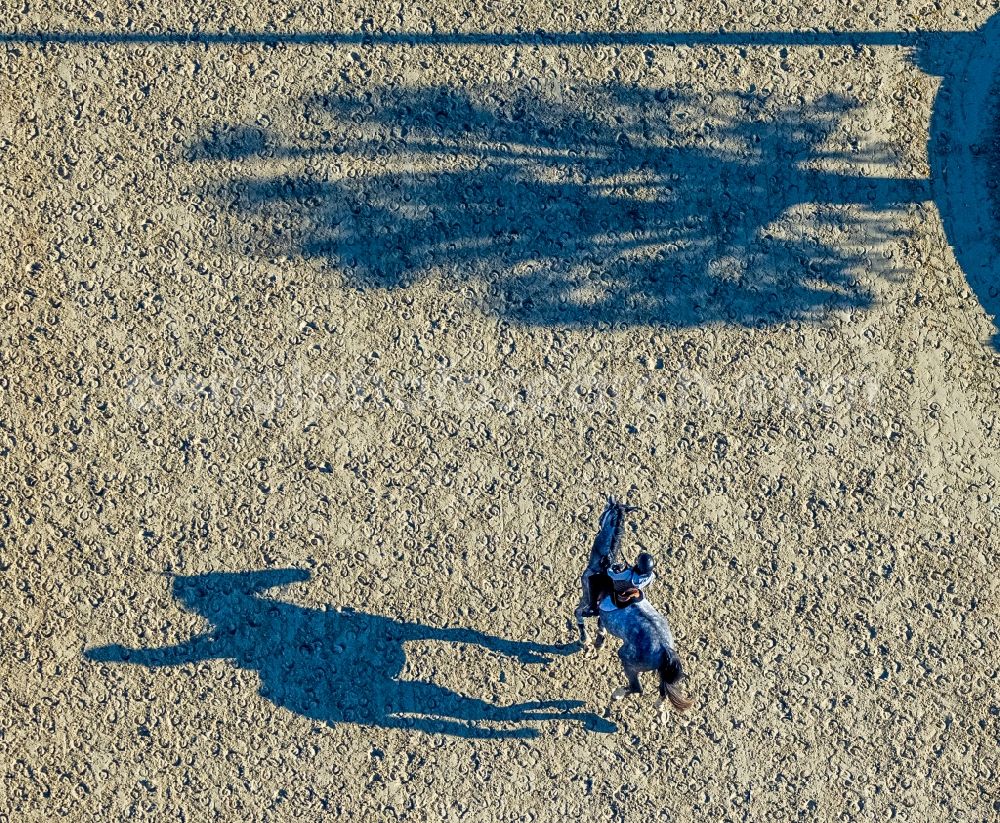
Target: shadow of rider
<point x="341" y="665"/>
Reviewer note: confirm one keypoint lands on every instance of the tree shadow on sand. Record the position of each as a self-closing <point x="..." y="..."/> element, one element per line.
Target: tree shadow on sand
<point x="613" y="205"/>
<point x="342" y="666"/>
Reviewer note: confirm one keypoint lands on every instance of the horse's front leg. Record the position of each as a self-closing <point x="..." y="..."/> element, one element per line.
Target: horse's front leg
<point x="581" y="610"/>
<point x="580" y="626"/>
<point x="602" y="634"/>
<point x="599" y="638"/>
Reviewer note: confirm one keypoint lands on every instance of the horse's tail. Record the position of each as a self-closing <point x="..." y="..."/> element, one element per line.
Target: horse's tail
<point x="671" y="673"/>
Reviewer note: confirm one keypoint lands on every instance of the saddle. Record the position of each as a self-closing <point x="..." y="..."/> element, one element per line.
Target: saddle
<point x="601" y="585"/>
<point x="627" y="597"/>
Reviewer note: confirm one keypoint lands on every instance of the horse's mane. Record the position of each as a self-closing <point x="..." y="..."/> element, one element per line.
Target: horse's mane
<point x="616" y="535"/>
<point x="620" y="510"/>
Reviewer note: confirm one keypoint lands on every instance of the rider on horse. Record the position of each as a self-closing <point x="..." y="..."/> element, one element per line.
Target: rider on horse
<point x="628" y="582"/>
<point x="605" y="577"/>
<point x="613" y="592"/>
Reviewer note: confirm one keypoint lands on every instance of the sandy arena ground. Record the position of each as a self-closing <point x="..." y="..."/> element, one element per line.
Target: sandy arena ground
<point x="378" y="321"/>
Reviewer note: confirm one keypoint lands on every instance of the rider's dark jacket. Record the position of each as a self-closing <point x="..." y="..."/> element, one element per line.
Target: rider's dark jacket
<point x="622" y="582"/>
<point x="628" y="578"/>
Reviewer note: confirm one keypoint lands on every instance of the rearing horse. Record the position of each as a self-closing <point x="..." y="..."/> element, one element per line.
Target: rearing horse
<point x="648" y="643"/>
<point x="603" y="554"/>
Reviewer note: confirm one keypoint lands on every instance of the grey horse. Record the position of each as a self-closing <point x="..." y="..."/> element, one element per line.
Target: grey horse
<point x="648" y="645"/>
<point x="603" y="554"/>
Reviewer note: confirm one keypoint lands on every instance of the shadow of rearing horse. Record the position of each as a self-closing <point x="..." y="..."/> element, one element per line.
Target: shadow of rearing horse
<point x="341" y="665"/>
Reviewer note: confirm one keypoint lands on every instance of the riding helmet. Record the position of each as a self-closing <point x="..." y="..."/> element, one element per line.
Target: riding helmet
<point x="644" y="564"/>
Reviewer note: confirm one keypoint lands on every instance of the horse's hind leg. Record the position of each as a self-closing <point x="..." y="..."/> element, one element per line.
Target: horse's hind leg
<point x="661" y="707"/>
<point x="633" y="687"/>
